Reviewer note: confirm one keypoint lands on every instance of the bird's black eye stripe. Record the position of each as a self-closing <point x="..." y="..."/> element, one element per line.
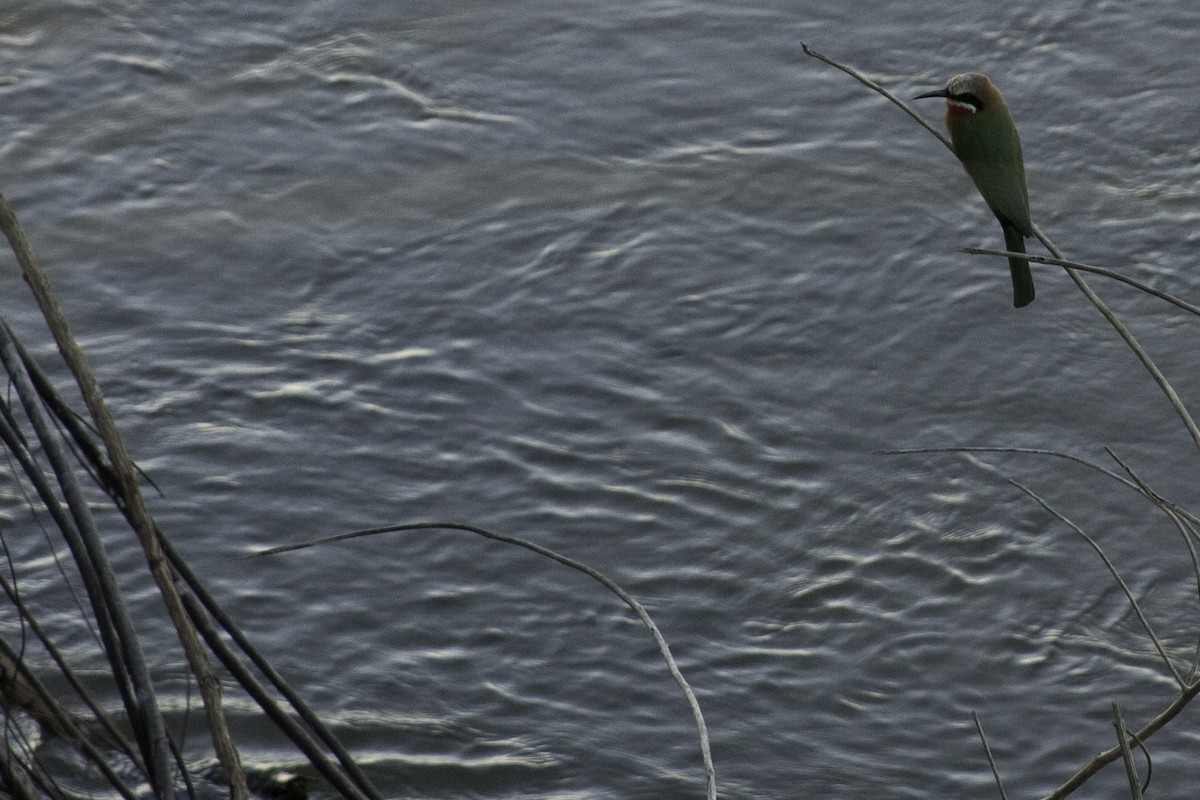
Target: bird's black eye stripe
<point x="970" y="99"/>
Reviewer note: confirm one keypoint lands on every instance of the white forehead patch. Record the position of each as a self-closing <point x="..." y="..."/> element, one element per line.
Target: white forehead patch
<point x="967" y="83"/>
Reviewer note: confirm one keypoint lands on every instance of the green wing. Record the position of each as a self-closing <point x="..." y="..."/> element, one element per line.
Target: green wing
<point x="990" y="149"/>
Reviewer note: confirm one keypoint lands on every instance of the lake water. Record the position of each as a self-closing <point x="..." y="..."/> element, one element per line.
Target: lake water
<point x="642" y="283"/>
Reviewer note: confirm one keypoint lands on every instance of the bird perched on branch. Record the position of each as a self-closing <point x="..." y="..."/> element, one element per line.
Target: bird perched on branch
<point x="986" y="142"/>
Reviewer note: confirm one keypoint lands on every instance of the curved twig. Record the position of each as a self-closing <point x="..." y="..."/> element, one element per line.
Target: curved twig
<point x="1184" y="521"/>
<point x="663" y="648"/>
<point x="870" y="84"/>
<point x="1113" y="753"/>
<point x="1189" y="518"/>
<point x="1149" y="761"/>
<point x="1135" y="786"/>
<point x="1158" y="645"/>
<point x="1108" y="273"/>
<point x="1130" y="340"/>
<point x="1186" y="529"/>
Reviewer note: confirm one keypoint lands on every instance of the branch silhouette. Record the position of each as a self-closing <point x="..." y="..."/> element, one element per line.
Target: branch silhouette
<point x="663" y="648"/>
<point x="1184" y="521"/>
<point x="1112" y="319"/>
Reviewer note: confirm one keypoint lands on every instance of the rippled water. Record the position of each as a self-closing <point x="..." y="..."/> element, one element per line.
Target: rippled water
<point x="642" y="283"/>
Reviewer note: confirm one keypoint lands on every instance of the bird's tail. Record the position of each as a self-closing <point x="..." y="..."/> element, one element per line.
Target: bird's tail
<point x="1022" y="277"/>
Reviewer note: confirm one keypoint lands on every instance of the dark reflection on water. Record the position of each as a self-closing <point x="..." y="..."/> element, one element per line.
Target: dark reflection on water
<point x="645" y="285"/>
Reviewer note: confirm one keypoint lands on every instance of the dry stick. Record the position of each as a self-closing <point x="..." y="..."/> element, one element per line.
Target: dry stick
<point x="1113" y="753"/>
<point x="44" y="394"/>
<point x="1146" y="752"/>
<point x="122" y="465"/>
<point x="1095" y="300"/>
<point x="1135" y="789"/>
<point x="93" y="461"/>
<point x="1191" y="533"/>
<point x="90" y="455"/>
<point x="1108" y="273"/>
<point x="987" y="751"/>
<point x="133" y="677"/>
<point x="297" y="734"/>
<point x="87" y="547"/>
<point x="117" y="738"/>
<point x="709" y="771"/>
<point x="1190" y="518"/>
<point x="65" y="724"/>
<point x="1158" y="645"/>
<point x="59" y="563"/>
<point x="1183" y="520"/>
<point x="870" y="84"/>
<point x="209" y="603"/>
<point x="1127" y="335"/>
<point x="116" y="630"/>
<point x="1182" y="525"/>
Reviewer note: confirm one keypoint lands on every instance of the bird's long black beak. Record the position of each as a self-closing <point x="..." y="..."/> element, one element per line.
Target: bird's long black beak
<point x="938" y="93"/>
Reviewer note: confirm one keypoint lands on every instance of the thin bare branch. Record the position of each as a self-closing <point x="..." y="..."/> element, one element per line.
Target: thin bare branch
<point x="1135" y="788"/>
<point x="1185" y="528"/>
<point x="1108" y="273"/>
<point x="1034" y="451"/>
<point x="1113" y="753"/>
<point x="1190" y="519"/>
<point x="1149" y="761"/>
<point x="870" y="84"/>
<point x="198" y="600"/>
<point x="1158" y="645"/>
<point x="987" y="751"/>
<point x="1130" y="339"/>
<point x="126" y="479"/>
<point x="78" y="526"/>
<point x="299" y="736"/>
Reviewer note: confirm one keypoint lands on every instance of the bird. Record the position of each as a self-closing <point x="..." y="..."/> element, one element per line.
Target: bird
<point x="986" y="142"/>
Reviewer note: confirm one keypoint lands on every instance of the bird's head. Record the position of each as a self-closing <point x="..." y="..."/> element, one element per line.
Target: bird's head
<point x="968" y="93"/>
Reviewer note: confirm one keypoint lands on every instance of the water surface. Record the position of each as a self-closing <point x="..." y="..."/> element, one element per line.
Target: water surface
<point x="642" y="283"/>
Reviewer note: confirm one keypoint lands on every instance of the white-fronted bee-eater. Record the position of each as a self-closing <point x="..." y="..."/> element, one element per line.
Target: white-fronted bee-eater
<point x="986" y="142"/>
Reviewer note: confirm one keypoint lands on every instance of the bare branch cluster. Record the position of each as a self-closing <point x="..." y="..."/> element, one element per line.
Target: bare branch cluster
<point x="200" y="620"/>
<point x="48" y="442"/>
<point x="1186" y="523"/>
